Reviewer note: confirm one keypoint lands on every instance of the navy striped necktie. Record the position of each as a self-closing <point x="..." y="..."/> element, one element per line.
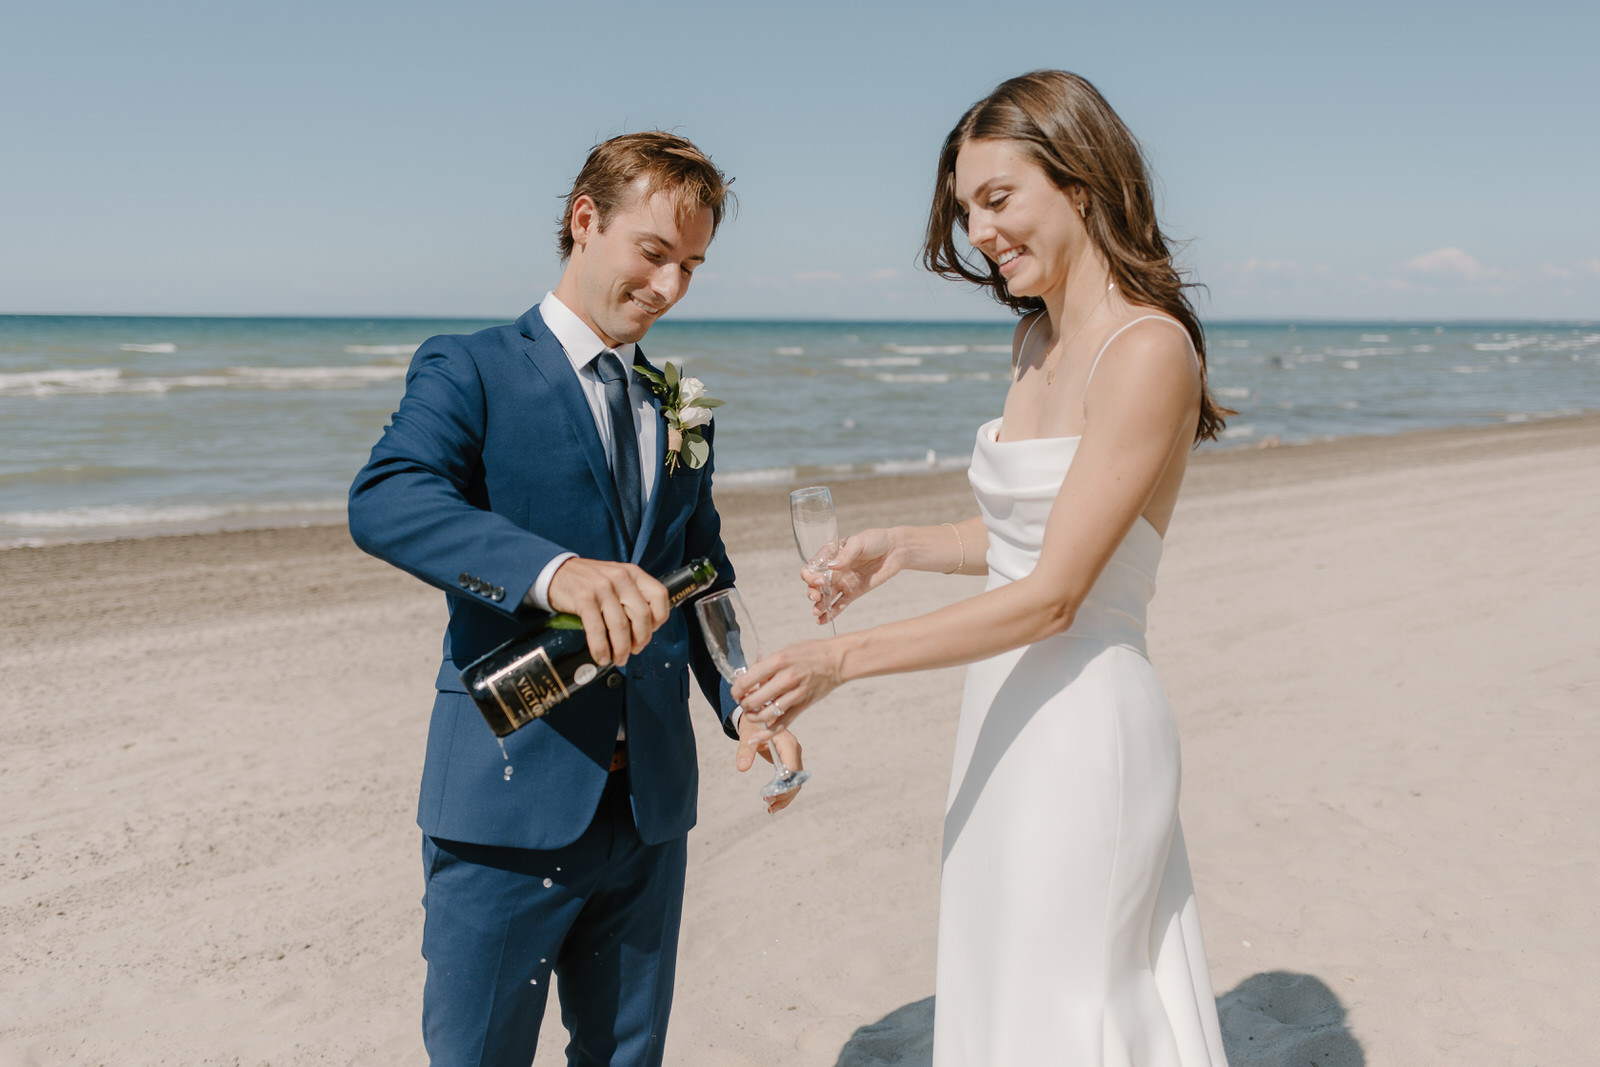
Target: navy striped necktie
<point x="624" y="441"/>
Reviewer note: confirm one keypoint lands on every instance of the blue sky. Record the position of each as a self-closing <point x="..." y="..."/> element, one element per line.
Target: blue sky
<point x="1322" y="161"/>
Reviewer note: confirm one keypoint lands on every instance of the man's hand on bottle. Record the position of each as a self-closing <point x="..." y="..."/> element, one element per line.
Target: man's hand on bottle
<point x="620" y="605"/>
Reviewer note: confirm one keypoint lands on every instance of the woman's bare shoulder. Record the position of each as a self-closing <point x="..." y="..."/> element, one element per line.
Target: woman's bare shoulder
<point x="1150" y="335"/>
<point x="1149" y="355"/>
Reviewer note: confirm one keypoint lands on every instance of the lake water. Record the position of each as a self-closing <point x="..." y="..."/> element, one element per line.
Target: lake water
<point x="115" y="425"/>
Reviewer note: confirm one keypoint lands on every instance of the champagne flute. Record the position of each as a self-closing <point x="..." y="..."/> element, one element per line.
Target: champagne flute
<point x="731" y="638"/>
<point x="816" y="535"/>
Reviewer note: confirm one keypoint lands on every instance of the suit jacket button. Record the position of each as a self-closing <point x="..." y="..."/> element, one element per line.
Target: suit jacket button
<point x="497" y="594"/>
<point x="613" y="680"/>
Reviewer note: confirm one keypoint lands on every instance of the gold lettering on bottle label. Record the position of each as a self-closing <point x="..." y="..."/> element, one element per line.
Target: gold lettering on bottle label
<point x="527" y="687"/>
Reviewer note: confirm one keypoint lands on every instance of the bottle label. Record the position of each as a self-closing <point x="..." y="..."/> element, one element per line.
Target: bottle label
<point x="527" y="688"/>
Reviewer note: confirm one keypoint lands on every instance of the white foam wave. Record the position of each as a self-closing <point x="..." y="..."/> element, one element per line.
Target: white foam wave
<point x="321" y="375"/>
<point x="1351" y="364"/>
<point x="929" y="350"/>
<point x="913" y="379"/>
<point x="789" y="350"/>
<point x="163" y="347"/>
<point x="763" y="476"/>
<point x="1422" y="348"/>
<point x="822" y="471"/>
<point x="1374" y="338"/>
<point x="1232" y="392"/>
<point x="1468" y="370"/>
<point x="380" y="350"/>
<point x="50" y="382"/>
<point x="1505" y="346"/>
<point x="883" y="361"/>
<point x="1240" y="430"/>
<point x="992" y="348"/>
<point x="1535" y="416"/>
<point x="101" y="381"/>
<point x="931" y="462"/>
<point x="1567" y="344"/>
<point x="117" y="516"/>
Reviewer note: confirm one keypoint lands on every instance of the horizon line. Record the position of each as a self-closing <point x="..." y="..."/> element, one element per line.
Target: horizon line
<point x="1246" y="320"/>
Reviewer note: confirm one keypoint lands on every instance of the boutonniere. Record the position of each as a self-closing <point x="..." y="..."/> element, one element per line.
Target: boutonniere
<point x="687" y="408"/>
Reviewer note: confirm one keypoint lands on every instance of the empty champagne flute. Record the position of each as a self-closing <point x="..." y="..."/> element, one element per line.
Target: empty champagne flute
<point x="816" y="535"/>
<point x="731" y="638"/>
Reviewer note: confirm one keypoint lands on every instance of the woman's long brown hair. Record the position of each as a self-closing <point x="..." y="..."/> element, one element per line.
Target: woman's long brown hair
<point x="1063" y="124"/>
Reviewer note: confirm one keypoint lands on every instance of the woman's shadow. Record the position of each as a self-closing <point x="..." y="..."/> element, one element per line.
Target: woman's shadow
<point x="1277" y="1019"/>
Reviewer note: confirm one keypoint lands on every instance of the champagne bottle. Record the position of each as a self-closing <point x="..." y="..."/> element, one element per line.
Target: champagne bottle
<point x="527" y="676"/>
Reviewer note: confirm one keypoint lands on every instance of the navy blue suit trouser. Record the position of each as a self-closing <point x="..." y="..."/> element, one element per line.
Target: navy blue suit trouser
<point x="601" y="915"/>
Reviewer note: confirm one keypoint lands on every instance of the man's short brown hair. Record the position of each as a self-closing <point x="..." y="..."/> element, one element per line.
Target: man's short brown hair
<point x="666" y="162"/>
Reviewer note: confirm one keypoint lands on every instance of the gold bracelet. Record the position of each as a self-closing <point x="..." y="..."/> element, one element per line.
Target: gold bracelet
<point x="961" y="544"/>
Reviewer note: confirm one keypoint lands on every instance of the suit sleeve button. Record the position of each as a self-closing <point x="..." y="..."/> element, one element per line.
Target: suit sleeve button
<point x="613" y="680"/>
<point x="465" y="581"/>
<point x="497" y="594"/>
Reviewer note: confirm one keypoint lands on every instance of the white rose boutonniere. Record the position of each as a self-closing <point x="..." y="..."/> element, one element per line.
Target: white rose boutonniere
<point x="687" y="408"/>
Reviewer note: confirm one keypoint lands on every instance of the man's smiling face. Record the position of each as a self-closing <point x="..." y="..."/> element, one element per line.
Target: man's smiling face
<point x="628" y="274"/>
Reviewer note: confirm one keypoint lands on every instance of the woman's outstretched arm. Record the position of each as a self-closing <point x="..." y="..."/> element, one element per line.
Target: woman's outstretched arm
<point x="1140" y="413"/>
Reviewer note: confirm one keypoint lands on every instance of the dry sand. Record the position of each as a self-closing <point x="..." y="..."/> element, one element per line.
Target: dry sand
<point x="1382" y="653"/>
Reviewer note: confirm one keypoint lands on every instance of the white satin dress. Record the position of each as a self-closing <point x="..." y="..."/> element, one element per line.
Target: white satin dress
<point x="1067" y="925"/>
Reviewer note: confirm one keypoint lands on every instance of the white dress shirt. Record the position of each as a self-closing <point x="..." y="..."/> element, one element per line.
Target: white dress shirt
<point x="582" y="346"/>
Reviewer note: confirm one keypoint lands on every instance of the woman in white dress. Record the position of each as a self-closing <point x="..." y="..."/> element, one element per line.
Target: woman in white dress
<point x="1067" y="925"/>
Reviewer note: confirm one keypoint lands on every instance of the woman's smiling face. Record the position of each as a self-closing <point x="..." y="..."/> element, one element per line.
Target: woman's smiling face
<point x="1017" y="217"/>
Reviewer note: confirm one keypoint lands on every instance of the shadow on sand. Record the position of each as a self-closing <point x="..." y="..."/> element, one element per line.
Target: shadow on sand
<point x="1280" y="1019"/>
<point x="1276" y="1019"/>
<point x="903" y="1038"/>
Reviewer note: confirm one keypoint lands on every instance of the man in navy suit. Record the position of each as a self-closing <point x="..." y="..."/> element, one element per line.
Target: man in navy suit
<point x="524" y="472"/>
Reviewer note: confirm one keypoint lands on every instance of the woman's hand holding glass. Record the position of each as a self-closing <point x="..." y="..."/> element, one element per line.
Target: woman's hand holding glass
<point x="779" y="687"/>
<point x="863" y="562"/>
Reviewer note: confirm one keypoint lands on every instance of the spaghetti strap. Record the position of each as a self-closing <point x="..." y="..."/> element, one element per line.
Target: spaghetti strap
<point x="1016" y="356"/>
<point x="1124" y="326"/>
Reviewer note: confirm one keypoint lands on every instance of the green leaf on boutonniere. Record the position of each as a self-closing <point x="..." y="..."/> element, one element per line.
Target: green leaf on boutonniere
<point x="695" y="449"/>
<point x="653" y="377"/>
<point x="705" y="402"/>
<point x="671" y="376"/>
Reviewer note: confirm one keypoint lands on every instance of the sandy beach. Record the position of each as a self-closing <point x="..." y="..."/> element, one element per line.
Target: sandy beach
<point x="1381" y="652"/>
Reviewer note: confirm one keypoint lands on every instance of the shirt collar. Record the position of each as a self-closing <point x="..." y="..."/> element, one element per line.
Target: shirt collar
<point x="576" y="338"/>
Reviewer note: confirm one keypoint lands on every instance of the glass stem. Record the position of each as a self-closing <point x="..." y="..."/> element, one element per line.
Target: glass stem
<point x="777" y="760"/>
<point x="772" y="749"/>
<point x="827" y="598"/>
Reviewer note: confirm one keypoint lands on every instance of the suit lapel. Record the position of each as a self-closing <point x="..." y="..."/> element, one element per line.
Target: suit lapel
<point x="550" y="360"/>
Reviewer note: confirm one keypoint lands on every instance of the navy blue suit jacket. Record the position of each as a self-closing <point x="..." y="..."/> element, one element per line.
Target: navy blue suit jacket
<point x="490" y="468"/>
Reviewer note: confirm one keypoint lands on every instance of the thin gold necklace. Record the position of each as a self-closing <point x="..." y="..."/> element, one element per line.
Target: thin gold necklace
<point x="1050" y="375"/>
